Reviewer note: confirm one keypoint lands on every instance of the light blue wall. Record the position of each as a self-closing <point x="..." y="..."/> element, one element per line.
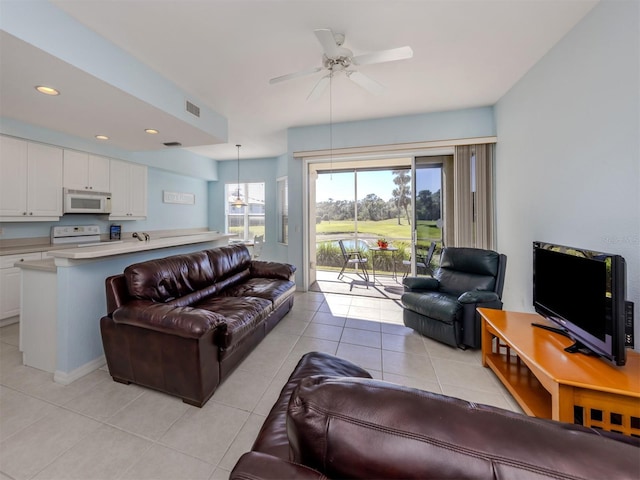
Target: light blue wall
<point x="468" y="123"/>
<point x="568" y="152"/>
<point x="251" y="170"/>
<point x="163" y="216"/>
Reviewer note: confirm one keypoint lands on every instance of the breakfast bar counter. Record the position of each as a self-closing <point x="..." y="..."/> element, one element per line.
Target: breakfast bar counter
<point x="63" y="298"/>
<point x="110" y="249"/>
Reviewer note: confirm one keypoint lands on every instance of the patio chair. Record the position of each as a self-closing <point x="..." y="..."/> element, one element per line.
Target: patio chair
<point x="423" y="260"/>
<point x="355" y="258"/>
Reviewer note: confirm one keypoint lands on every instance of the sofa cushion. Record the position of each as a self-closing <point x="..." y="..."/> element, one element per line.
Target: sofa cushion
<point x="242" y="316"/>
<point x="276" y="291"/>
<point x="229" y="260"/>
<point x="166" y="279"/>
<point x="436" y="305"/>
<point x="337" y="426"/>
<point x="185" y="322"/>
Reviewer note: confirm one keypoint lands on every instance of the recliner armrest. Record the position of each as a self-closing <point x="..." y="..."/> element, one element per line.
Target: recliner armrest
<point x="478" y="296"/>
<point x="417" y="284"/>
<point x="184" y="322"/>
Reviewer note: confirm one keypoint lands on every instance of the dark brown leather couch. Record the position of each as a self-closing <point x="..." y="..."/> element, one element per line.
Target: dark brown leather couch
<point x="333" y="421"/>
<point x="180" y="324"/>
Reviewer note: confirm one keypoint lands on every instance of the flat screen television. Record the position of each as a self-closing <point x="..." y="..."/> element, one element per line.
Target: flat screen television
<point x="583" y="291"/>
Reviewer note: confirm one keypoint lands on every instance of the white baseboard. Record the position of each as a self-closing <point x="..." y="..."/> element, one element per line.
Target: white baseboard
<point x="65" y="378"/>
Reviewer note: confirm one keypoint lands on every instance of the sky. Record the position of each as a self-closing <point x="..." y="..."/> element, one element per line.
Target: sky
<point x="340" y="186"/>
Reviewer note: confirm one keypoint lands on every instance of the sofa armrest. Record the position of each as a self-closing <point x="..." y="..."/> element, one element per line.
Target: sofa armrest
<point x="256" y="465"/>
<point x="478" y="296"/>
<point x="418" y="284"/>
<point x="281" y="271"/>
<point x="185" y="322"/>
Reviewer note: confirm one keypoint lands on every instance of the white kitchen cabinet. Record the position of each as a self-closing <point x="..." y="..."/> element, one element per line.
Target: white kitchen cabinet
<point x="30" y="181"/>
<point x="83" y="171"/>
<point x="10" y="283"/>
<point x="128" y="191"/>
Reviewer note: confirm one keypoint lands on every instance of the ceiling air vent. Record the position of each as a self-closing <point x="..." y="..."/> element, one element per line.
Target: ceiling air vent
<point x="172" y="144"/>
<point x="193" y="109"/>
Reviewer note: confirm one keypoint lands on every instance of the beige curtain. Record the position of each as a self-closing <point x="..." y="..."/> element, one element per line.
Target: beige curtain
<point x="484" y="204"/>
<point x="473" y="205"/>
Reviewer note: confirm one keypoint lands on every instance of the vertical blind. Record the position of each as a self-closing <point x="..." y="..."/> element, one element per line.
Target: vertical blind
<point x="473" y="209"/>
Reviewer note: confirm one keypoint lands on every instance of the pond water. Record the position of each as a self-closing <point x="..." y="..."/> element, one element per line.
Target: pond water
<point x="349" y="244"/>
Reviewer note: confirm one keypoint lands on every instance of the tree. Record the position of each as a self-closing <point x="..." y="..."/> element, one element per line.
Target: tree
<point x="371" y="207"/>
<point x="428" y="205"/>
<point x="402" y="194"/>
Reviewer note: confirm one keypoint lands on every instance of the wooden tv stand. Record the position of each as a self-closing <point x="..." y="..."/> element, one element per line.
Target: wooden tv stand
<point x="550" y="383"/>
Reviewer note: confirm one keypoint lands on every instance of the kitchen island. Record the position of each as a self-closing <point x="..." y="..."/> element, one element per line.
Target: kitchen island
<point x="63" y="299"/>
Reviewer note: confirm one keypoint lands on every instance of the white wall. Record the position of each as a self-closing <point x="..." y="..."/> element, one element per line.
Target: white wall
<point x="568" y="152"/>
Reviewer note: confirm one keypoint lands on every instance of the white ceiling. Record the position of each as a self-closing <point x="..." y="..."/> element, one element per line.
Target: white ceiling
<point x="223" y="52"/>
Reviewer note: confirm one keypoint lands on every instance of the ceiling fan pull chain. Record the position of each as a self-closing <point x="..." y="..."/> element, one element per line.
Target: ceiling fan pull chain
<point x="331" y="125"/>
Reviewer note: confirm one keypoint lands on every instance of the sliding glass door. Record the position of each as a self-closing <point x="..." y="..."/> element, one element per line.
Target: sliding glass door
<point x="428" y="204"/>
<point x="443" y="196"/>
<point x="360" y="206"/>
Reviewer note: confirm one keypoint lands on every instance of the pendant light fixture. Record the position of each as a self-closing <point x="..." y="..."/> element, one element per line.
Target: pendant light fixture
<point x="238" y="201"/>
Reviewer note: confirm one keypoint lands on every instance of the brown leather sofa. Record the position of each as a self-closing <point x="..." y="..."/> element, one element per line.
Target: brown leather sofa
<point x="333" y="421"/>
<point x="180" y="324"/>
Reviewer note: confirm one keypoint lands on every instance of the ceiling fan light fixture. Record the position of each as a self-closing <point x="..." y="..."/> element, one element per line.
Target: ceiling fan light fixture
<point x="336" y="58"/>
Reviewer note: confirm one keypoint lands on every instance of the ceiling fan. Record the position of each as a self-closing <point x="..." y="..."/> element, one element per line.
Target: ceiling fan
<point x="337" y="58"/>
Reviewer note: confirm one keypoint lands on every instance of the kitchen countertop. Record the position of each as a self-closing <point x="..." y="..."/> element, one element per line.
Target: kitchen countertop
<point x="47" y="247"/>
<point x="107" y="249"/>
<point x="34" y="248"/>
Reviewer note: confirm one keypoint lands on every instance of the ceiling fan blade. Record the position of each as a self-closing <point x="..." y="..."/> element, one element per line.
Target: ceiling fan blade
<point x="368" y="83"/>
<point x="289" y="76"/>
<point x="319" y="88"/>
<point x="390" y="55"/>
<point x="328" y="42"/>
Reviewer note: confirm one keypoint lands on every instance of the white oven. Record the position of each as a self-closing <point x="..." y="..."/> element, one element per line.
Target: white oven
<point x="84" y="201"/>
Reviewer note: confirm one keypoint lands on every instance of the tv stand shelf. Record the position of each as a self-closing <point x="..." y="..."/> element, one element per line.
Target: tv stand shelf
<point x="548" y="382"/>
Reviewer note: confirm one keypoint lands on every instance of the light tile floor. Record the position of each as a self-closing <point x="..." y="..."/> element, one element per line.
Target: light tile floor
<point x="98" y="429"/>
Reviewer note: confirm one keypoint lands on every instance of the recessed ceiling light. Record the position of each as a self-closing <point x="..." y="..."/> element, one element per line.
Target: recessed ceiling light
<point x="47" y="90"/>
<point x="102" y="137"/>
<point x="151" y="131"/>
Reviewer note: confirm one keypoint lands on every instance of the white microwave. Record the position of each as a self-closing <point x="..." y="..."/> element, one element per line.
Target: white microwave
<point x="86" y="201"/>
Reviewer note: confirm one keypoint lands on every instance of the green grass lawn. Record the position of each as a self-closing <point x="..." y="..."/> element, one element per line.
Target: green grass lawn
<point x="388" y="229"/>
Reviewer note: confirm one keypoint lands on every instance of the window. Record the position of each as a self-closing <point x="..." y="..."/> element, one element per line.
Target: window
<point x="283" y="210"/>
<point x="246" y="221"/>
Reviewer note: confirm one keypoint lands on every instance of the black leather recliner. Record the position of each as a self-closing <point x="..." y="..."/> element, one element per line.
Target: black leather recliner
<point x="443" y="307"/>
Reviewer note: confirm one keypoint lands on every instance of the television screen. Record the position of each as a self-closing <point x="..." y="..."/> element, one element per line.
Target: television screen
<point x="583" y="291"/>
